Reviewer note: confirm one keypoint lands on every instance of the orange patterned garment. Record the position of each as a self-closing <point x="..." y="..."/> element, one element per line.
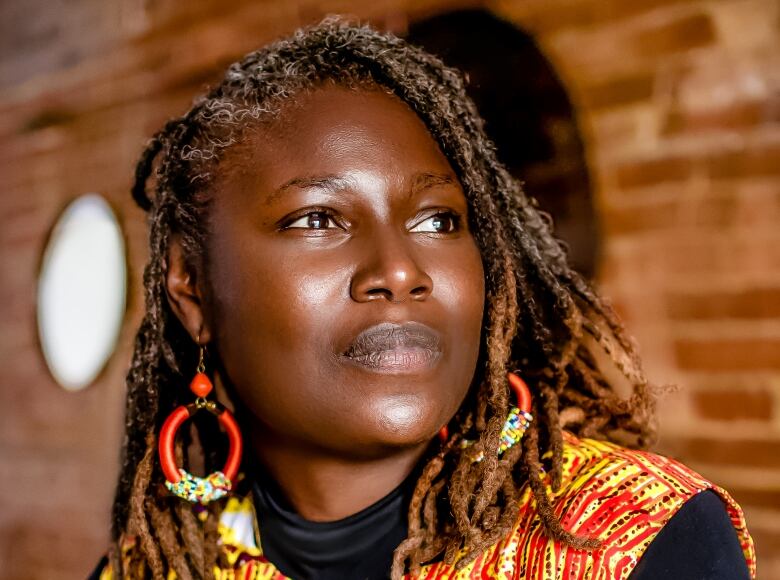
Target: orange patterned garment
<point x="621" y="496"/>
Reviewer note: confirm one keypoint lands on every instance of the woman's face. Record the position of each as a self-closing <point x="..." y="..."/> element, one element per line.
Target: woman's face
<point x="344" y="217"/>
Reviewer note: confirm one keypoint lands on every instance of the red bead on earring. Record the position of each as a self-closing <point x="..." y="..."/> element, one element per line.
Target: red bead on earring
<point x="181" y="483"/>
<point x="516" y="423"/>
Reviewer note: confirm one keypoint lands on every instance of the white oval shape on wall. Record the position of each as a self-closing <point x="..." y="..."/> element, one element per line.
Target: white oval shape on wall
<point x="82" y="291"/>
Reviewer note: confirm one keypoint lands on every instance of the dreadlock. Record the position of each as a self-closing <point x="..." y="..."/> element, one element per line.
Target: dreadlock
<point x="542" y="317"/>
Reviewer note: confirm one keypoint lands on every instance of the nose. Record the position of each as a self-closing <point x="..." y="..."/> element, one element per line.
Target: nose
<point x="390" y="272"/>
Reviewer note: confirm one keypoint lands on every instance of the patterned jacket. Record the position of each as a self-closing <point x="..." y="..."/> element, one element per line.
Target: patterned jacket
<point x="623" y="497"/>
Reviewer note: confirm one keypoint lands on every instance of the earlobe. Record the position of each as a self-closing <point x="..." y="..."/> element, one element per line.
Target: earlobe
<point x="183" y="291"/>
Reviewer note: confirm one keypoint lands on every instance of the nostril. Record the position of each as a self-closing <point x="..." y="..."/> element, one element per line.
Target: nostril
<point x="379" y="293"/>
<point x="391" y="281"/>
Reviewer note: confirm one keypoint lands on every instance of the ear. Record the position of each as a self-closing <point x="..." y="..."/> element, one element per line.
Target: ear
<point x="185" y="295"/>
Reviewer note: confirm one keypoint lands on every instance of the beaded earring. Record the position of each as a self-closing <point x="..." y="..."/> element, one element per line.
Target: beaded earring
<point x="516" y="423"/>
<point x="181" y="483"/>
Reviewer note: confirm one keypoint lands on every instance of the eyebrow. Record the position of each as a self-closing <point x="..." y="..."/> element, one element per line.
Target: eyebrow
<point x="333" y="183"/>
<point x="330" y="183"/>
<point x="426" y="180"/>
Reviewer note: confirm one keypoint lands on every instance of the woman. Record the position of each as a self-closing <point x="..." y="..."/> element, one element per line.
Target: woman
<point x="334" y="242"/>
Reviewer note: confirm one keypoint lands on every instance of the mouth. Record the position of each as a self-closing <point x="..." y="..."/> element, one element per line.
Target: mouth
<point x="395" y="348"/>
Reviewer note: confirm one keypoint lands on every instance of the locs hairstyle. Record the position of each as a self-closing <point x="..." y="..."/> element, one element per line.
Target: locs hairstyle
<point x="541" y="318"/>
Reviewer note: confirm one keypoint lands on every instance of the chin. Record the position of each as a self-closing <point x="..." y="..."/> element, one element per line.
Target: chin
<point x="405" y="421"/>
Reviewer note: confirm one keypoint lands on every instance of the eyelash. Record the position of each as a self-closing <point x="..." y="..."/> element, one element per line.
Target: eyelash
<point x="323" y="211"/>
<point x="455" y="217"/>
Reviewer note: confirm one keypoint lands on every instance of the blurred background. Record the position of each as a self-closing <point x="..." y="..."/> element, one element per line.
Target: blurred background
<point x="650" y="129"/>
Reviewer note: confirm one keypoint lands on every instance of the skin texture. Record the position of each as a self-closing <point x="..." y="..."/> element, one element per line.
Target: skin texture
<point x="285" y="289"/>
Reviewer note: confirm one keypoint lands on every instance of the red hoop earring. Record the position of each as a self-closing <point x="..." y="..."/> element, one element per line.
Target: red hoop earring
<point x="192" y="488"/>
<point x="519" y="417"/>
<point x="516" y="423"/>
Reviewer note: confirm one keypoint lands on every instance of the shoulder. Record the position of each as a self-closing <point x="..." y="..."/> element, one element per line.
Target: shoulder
<point x="625" y="498"/>
<point x="622" y="497"/>
<point x="699" y="541"/>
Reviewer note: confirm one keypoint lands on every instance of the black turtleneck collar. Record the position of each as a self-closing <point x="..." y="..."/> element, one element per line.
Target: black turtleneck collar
<point x="358" y="547"/>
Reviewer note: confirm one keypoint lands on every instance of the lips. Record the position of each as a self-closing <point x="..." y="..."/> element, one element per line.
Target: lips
<point x="392" y="347"/>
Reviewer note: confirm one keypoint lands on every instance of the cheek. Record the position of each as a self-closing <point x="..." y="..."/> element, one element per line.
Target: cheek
<point x="272" y="316"/>
<point x="461" y="289"/>
<point x="256" y="285"/>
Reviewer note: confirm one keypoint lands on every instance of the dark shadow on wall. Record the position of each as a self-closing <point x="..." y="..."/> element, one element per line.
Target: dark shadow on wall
<point x="528" y="116"/>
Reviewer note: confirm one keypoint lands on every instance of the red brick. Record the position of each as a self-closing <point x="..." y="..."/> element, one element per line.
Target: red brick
<point x="619" y="91"/>
<point x="734" y="404"/>
<point x="584" y="14"/>
<point x="766" y="542"/>
<point x="755" y="161"/>
<point x="737" y="117"/>
<point x="748" y="453"/>
<point x="629" y="219"/>
<point x="689" y="32"/>
<point x="744" y="496"/>
<point x="651" y="171"/>
<point x="715" y="211"/>
<point x="710" y="304"/>
<point x="721" y="354"/>
<point x="41" y="39"/>
<point x="731" y="256"/>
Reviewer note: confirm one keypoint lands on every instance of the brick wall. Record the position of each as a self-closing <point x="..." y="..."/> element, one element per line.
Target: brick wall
<point x="678" y="101"/>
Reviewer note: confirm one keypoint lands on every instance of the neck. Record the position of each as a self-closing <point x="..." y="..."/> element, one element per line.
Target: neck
<point x="324" y="487"/>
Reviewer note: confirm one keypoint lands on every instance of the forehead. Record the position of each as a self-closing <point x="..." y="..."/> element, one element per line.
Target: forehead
<point x="332" y="111"/>
<point x="332" y="129"/>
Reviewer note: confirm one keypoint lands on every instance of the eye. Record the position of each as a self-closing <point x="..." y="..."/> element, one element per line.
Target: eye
<point x="441" y="223"/>
<point x="314" y="220"/>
